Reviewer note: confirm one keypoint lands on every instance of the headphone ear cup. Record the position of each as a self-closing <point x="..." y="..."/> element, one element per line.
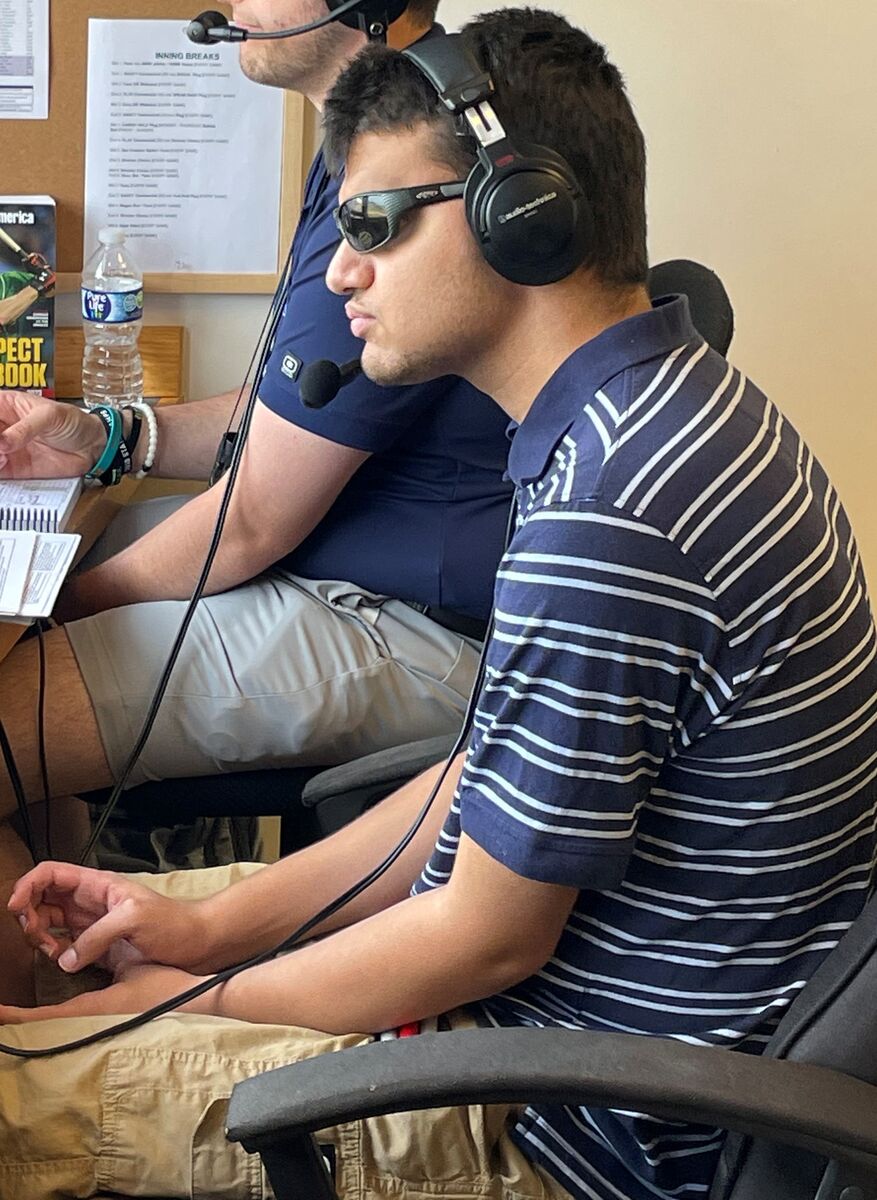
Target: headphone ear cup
<point x="529" y="216"/>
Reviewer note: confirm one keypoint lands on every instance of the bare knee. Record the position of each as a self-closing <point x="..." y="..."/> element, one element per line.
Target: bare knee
<point x="74" y="756"/>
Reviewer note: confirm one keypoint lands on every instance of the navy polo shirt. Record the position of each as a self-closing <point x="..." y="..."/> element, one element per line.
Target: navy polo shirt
<point x="424" y="518"/>
<point x="677" y="720"/>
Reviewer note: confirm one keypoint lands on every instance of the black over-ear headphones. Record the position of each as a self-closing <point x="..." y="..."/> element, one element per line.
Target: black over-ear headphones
<point x="528" y="212"/>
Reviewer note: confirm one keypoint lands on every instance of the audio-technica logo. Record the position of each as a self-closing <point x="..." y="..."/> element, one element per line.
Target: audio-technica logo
<point x="527" y="210"/>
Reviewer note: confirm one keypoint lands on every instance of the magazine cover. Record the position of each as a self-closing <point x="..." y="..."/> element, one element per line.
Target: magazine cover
<point x="27" y="290"/>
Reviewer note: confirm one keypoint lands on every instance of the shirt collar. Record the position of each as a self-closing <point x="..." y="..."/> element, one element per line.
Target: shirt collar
<point x="631" y="342"/>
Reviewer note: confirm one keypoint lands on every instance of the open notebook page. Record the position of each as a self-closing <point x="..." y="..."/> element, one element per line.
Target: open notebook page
<point x="40" y="504"/>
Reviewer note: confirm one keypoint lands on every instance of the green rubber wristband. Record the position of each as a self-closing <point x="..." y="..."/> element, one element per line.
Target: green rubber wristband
<point x="112" y="418"/>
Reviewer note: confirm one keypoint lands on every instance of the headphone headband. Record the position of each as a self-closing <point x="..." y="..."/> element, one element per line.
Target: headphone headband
<point x="524" y="205"/>
<point x="452" y="69"/>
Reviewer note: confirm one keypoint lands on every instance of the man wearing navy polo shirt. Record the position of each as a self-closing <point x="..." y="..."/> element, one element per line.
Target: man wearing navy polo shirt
<point x="356" y="566"/>
<point x="666" y="816"/>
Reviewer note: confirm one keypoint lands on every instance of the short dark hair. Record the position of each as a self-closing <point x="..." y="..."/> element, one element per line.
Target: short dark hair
<point x="554" y="87"/>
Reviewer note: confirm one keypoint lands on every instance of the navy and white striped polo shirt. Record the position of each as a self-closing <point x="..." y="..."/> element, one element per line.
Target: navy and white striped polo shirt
<point x="678" y="719"/>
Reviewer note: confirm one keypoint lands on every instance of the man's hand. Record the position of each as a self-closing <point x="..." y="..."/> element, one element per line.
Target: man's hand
<point x="135" y="990"/>
<point x="44" y="439"/>
<point x="108" y="919"/>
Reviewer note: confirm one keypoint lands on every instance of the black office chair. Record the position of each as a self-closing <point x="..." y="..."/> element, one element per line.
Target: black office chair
<point x="315" y="801"/>
<point x="804" y="1114"/>
<point x="708" y="301"/>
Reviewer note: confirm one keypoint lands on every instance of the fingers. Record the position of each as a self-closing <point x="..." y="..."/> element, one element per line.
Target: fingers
<point x="11" y="1015"/>
<point x="35" y="424"/>
<point x="62" y="877"/>
<point x="95" y="942"/>
<point x="97" y="908"/>
<point x="40" y="926"/>
<point x="89" y="1004"/>
<point x="57" y="895"/>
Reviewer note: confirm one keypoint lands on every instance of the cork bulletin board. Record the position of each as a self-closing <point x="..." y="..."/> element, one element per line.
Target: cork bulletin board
<point x="48" y="157"/>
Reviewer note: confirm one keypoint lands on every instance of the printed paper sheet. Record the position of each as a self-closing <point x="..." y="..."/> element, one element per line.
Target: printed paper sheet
<point x="182" y="151"/>
<point x="24" y="60"/>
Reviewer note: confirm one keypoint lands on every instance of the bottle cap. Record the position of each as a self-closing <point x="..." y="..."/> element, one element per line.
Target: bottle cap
<point x="111" y="237"/>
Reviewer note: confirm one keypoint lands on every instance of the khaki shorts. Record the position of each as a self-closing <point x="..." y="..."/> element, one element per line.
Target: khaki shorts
<point x="280" y="671"/>
<point x="143" y="1114"/>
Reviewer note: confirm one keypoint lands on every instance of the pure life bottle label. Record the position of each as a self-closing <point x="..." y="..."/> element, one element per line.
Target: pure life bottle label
<point x="112" y="308"/>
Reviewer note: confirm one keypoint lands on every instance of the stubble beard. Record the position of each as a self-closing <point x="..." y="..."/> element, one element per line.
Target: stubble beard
<point x="398" y="370"/>
<point x="261" y="63"/>
<point x="301" y="64"/>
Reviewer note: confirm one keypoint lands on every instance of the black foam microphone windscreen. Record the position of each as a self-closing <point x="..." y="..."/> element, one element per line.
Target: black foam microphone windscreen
<point x="199" y="30"/>
<point x="320" y="381"/>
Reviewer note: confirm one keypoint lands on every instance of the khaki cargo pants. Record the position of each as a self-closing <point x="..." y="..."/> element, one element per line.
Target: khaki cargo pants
<point x="143" y="1114"/>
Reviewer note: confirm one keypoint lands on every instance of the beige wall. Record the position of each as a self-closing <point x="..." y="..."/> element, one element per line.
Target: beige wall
<point x="761" y="120"/>
<point x="761" y="123"/>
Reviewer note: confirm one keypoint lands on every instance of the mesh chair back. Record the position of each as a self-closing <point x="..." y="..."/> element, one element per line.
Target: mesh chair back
<point x="833" y="1023"/>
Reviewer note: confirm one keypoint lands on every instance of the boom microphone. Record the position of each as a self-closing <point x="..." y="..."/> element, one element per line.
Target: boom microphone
<point x="322" y="380"/>
<point x="211" y="27"/>
<point x="371" y="16"/>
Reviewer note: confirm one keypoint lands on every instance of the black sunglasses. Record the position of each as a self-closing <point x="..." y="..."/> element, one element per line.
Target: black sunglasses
<point x="372" y="219"/>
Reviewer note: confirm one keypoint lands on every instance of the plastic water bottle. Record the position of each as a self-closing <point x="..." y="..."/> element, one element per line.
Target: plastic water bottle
<point x="112" y="307"/>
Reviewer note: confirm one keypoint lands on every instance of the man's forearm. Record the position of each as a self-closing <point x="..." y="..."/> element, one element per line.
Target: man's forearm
<point x="288" y="480"/>
<point x="413" y="961"/>
<point x="162" y="565"/>
<point x="188" y="437"/>
<point x="485" y="930"/>
<point x="261" y="910"/>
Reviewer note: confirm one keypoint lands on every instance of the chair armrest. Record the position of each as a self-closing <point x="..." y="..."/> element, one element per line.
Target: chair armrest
<point x="814" y="1108"/>
<point x="385" y="767"/>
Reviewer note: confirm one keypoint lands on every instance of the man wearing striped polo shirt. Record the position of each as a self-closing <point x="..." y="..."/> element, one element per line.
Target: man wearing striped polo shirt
<point x="666" y="817"/>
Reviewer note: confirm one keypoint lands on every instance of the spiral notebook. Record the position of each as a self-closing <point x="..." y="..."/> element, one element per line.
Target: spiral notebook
<point x="40" y="505"/>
